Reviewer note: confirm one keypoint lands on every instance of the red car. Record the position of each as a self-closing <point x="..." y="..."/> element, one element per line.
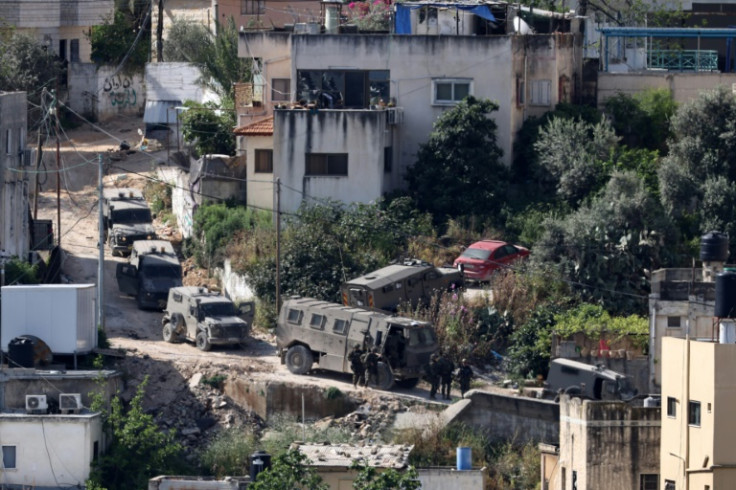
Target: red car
<point x="480" y="260"/>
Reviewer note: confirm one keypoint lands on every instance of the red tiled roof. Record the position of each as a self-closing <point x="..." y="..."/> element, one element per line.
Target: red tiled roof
<point x="264" y="127"/>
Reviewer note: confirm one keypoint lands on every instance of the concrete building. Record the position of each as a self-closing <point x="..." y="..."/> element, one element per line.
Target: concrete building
<point x="61" y="25"/>
<point x="681" y="303"/>
<point x="698" y="400"/>
<point x="14" y="188"/>
<point x="606" y="445"/>
<point x="374" y="97"/>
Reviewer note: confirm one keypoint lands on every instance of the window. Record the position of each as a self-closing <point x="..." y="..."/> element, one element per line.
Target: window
<point x="294" y="316"/>
<point x="9" y="457"/>
<point x="252" y="7"/>
<point x="264" y="162"/>
<point x="177" y="297"/>
<point x="450" y="92"/>
<point x="327" y="164"/>
<point x="673" y="322"/>
<point x="649" y="482"/>
<point x="74" y="50"/>
<point x="541" y="92"/>
<point x="62" y="49"/>
<point x="693" y="413"/>
<point x="95" y="450"/>
<point x="340" y="326"/>
<point x="669" y="485"/>
<point x="671" y="407"/>
<point x="281" y="89"/>
<point x="317" y="321"/>
<point x="343" y="89"/>
<point x="8" y="141"/>
<point x="388" y="156"/>
<point x="520" y="92"/>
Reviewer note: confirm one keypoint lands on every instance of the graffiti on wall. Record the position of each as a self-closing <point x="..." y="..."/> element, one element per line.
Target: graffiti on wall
<point x="120" y="91"/>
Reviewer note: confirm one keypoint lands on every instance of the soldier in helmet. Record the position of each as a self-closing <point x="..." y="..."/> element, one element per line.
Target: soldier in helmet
<point x="464" y="375"/>
<point x="446" y="367"/>
<point x="356" y="365"/>
<point x="370" y="360"/>
<point x="433" y="374"/>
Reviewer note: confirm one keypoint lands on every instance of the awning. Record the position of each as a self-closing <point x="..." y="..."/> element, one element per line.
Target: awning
<point x="157" y="110"/>
<point x="403" y="13"/>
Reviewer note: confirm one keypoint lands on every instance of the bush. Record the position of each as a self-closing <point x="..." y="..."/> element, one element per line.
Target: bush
<point x="437" y="444"/>
<point x="216" y="381"/>
<point x="229" y="453"/>
<point x="284" y="430"/>
<point x="333" y="393"/>
<point x="158" y="194"/>
<point x="20" y="272"/>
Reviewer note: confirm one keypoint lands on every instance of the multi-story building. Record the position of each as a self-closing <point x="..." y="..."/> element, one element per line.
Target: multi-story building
<point x="698" y="401"/>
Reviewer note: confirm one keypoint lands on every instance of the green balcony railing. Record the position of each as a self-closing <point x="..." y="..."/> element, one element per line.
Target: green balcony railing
<point x="683" y="60"/>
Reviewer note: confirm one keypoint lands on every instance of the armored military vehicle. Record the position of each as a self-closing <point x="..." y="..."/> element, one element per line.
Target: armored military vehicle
<point x="412" y="282"/>
<point x="312" y="332"/>
<point x="580" y="379"/>
<point x="151" y="271"/>
<point x="126" y="218"/>
<point x="206" y="318"/>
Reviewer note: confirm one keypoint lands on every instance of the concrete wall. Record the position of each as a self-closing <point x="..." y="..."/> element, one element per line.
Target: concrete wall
<point x="507" y="418"/>
<point x="608" y="445"/>
<point x="196" y="483"/>
<point x="104" y="94"/>
<point x="15" y="226"/>
<point x="174" y="81"/>
<point x="260" y="191"/>
<point x="445" y="478"/>
<point x="182" y="201"/>
<point x="275" y="14"/>
<point x="268" y="399"/>
<point x="50" y="449"/>
<point x="194" y="11"/>
<point x="682" y="86"/>
<point x="234" y="285"/>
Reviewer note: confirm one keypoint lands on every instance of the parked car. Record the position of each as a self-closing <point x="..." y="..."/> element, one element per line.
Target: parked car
<point x="480" y="260"/>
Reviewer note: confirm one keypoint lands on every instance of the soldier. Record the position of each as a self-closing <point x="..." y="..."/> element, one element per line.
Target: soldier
<point x="433" y="375"/>
<point x="370" y="360"/>
<point x="446" y="367"/>
<point x="464" y="375"/>
<point x="356" y="365"/>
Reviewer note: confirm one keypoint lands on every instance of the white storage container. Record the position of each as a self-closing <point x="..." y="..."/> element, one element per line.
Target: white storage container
<point x="62" y="315"/>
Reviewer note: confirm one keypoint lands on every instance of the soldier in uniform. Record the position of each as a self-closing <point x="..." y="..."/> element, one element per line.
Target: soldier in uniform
<point x="464" y="375"/>
<point x="433" y="375"/>
<point x="446" y="367"/>
<point x="356" y="365"/>
<point x="370" y="360"/>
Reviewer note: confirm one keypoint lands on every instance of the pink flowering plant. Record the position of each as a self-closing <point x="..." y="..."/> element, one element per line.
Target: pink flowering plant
<point x="371" y="15"/>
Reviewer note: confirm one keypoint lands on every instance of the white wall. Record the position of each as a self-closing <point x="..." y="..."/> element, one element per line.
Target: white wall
<point x="260" y="190"/>
<point x="51" y="450"/>
<point x="182" y="202"/>
<point x="174" y="81"/>
<point x="683" y="86"/>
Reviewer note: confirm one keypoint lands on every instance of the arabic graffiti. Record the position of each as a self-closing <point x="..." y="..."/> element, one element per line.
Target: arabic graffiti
<point x="120" y="91"/>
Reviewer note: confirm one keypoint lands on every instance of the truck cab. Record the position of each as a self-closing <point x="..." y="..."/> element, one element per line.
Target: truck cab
<point x="205" y="318"/>
<point x="594" y="382"/>
<point x="310" y="331"/>
<point x="126" y="219"/>
<point x="412" y="282"/>
<point x="152" y="269"/>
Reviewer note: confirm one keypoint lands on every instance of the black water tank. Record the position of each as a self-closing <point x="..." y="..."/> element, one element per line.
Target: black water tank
<point x="259" y="461"/>
<point x="725" y="295"/>
<point x="20" y="352"/>
<point x="714" y="247"/>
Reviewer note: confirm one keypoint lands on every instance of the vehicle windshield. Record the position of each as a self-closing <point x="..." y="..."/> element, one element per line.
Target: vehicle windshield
<point x="421" y="337"/>
<point x="476" y="253"/>
<point x="626" y="387"/>
<point x="131" y="216"/>
<point x="218" y="309"/>
<point x="162" y="271"/>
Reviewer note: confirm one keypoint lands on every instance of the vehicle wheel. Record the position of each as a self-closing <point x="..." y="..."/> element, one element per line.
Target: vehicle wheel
<point x="202" y="343"/>
<point x="169" y="335"/>
<point x="407" y="383"/>
<point x="299" y="359"/>
<point x="385" y="377"/>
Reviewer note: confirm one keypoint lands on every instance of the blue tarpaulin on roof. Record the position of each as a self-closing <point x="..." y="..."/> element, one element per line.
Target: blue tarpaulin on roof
<point x="403" y="13"/>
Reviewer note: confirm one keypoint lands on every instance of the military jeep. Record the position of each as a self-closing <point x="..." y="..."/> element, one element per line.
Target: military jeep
<point x="206" y="318"/>
<point x="310" y="331"/>
<point x="579" y="379"/>
<point x="153" y="269"/>
<point x="126" y="218"/>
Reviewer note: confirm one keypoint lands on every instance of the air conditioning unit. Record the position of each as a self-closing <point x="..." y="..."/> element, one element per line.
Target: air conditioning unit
<point x="36" y="404"/>
<point x="394" y="116"/>
<point x="28" y="157"/>
<point x="70" y="402"/>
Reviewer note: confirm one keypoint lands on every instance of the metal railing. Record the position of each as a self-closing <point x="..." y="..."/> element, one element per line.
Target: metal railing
<point x="682" y="60"/>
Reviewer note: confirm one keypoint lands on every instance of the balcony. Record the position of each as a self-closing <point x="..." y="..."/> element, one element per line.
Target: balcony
<point x="682" y="60"/>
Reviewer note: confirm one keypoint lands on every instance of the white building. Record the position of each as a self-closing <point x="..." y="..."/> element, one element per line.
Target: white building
<point x="373" y="98"/>
<point x="48" y="451"/>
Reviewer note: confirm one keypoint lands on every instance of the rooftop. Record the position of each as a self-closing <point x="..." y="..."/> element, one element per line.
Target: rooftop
<point x="343" y="455"/>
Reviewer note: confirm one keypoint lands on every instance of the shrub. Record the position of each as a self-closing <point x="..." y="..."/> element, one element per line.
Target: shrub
<point x="437" y="444"/>
<point x="20" y="272"/>
<point x="158" y="194"/>
<point x="333" y="393"/>
<point x="229" y="453"/>
<point x="216" y="381"/>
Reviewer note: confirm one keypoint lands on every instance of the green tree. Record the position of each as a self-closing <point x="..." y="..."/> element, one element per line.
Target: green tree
<point x="458" y="171"/>
<point x="289" y="471"/>
<point x="643" y="120"/>
<point x="139" y="449"/>
<point x="574" y="153"/>
<point x="369" y="478"/>
<point x="20" y="272"/>
<point x="531" y="344"/>
<point x="119" y="38"/>
<point x="209" y="127"/>
<point x="216" y="56"/>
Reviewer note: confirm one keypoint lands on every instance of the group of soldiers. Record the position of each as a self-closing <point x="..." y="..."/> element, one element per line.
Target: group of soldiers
<point x="439" y="372"/>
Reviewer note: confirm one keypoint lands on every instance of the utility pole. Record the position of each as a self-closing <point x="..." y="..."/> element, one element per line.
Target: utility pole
<point x="39" y="155"/>
<point x="58" y="170"/>
<point x="101" y="244"/>
<point x="278" y="245"/>
<point x="160" y="32"/>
